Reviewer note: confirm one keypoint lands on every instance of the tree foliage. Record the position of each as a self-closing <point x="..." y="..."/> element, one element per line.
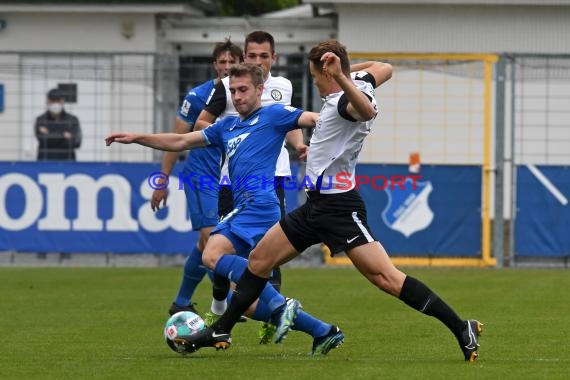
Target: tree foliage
<point x="254" y="7"/>
<point x="212" y="7"/>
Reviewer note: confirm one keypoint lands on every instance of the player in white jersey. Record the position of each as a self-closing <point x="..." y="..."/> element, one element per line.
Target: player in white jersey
<point x="259" y="49"/>
<point x="334" y="212"/>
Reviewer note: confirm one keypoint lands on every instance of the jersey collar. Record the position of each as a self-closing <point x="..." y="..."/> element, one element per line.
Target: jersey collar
<point x="269" y="77"/>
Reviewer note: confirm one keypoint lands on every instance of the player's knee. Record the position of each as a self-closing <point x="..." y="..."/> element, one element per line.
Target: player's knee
<point x="259" y="266"/>
<point x="210" y="259"/>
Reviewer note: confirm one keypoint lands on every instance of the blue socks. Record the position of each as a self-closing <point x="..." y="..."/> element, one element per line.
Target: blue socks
<point x="262" y="312"/>
<point x="304" y="321"/>
<point x="193" y="273"/>
<point x="311" y="325"/>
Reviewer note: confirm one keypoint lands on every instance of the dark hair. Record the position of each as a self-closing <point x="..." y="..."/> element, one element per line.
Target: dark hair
<point x="55" y="94"/>
<point x="259" y="37"/>
<point x="332" y="46"/>
<point x="227" y="45"/>
<point x="250" y="69"/>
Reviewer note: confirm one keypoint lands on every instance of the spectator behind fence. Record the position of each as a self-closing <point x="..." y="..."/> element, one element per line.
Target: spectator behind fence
<point x="58" y="132"/>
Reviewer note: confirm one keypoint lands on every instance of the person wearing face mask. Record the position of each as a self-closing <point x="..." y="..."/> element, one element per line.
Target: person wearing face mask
<point x="58" y="132"/>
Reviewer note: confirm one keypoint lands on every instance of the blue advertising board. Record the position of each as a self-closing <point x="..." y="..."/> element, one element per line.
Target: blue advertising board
<point x="542" y="223"/>
<point x="105" y="207"/>
<point x="436" y="212"/>
<point x="89" y="207"/>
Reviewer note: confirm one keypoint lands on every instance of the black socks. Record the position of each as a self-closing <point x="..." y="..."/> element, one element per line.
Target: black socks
<point x="417" y="295"/>
<point x="247" y="291"/>
<point x="275" y="279"/>
<point x="220" y="287"/>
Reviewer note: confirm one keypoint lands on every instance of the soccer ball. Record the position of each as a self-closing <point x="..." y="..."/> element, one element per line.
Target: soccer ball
<point x="183" y="323"/>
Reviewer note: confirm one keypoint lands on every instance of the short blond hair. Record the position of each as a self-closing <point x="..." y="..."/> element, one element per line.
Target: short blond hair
<point x="243" y="69"/>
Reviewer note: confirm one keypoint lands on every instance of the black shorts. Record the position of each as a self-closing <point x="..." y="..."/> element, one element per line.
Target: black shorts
<point x="226" y="201"/>
<point x="338" y="220"/>
<point x="280" y="191"/>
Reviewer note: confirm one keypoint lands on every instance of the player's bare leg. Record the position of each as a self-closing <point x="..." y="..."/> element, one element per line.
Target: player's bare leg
<point x="272" y="251"/>
<point x="373" y="262"/>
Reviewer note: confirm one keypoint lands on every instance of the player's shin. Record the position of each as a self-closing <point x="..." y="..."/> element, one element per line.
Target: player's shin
<point x="228" y="266"/>
<point x="247" y="291"/>
<point x="417" y="295"/>
<point x="275" y="279"/>
<point x="220" y="289"/>
<point x="193" y="273"/>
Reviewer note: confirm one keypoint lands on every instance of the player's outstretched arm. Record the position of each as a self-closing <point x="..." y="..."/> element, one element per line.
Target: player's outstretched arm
<point x="160" y="195"/>
<point x="169" y="159"/>
<point x="171" y="142"/>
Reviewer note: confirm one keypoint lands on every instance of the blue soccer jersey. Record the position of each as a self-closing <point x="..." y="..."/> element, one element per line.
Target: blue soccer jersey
<point x="252" y="146"/>
<point x="203" y="162"/>
<point x="202" y="169"/>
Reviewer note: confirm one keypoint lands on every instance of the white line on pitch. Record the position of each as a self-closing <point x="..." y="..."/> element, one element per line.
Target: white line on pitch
<point x="549" y="185"/>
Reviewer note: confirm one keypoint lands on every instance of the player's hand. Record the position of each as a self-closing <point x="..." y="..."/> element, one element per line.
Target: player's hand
<point x="302" y="152"/>
<point x="331" y="64"/>
<point x="159" y="195"/>
<point x="43" y="130"/>
<point x="67" y="135"/>
<point x="120" y="137"/>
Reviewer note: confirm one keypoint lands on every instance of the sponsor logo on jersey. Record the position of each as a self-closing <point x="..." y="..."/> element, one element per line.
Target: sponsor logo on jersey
<point x="408" y="210"/>
<point x="254" y="121"/>
<point x="233" y="144"/>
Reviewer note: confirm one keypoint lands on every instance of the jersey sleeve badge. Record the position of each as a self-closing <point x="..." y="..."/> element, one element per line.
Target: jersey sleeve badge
<point x="276" y="95"/>
<point x="185" y="107"/>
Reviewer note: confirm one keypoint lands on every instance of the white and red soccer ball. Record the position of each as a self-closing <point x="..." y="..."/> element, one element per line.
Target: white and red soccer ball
<point x="182" y="324"/>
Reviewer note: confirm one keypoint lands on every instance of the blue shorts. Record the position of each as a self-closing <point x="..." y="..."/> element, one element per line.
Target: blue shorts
<point x="202" y="205"/>
<point x="246" y="224"/>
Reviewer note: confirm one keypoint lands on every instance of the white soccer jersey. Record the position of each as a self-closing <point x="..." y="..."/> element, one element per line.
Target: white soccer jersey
<point x="337" y="141"/>
<point x="275" y="90"/>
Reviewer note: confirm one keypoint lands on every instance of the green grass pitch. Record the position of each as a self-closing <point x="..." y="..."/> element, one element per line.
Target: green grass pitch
<point x="107" y="323"/>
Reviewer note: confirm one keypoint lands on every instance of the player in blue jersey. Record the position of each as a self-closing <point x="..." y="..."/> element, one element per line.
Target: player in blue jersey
<point x="259" y="49"/>
<point x="252" y="142"/>
<point x="200" y="164"/>
<point x="334" y="212"/>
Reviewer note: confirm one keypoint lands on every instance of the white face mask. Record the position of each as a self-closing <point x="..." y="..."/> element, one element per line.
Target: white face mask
<point x="55" y="108"/>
